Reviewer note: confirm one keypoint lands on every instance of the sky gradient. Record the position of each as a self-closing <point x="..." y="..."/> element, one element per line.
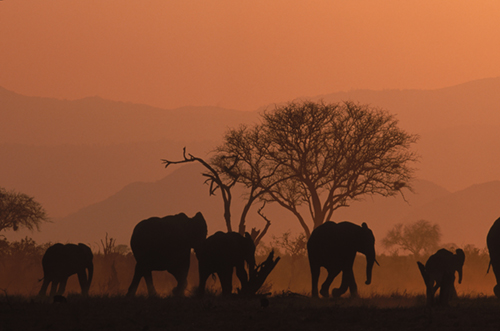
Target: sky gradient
<point x="242" y="54"/>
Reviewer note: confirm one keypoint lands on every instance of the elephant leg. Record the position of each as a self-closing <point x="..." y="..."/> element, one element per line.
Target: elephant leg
<point x="314" y="277"/>
<point x="148" y="277"/>
<point x="203" y="282"/>
<point x="332" y="273"/>
<point x="132" y="289"/>
<point x="446" y="288"/>
<point x="82" y="279"/>
<point x="45" y="285"/>
<point x="431" y="289"/>
<point x="181" y="277"/>
<point x="351" y="282"/>
<point x="495" y="264"/>
<point x="62" y="286"/>
<point x="242" y="275"/>
<point x="453" y="290"/>
<point x="348" y="282"/>
<point x="226" y="280"/>
<point x="53" y="287"/>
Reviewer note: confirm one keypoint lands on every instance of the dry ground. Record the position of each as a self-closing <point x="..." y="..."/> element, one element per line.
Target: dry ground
<point x="285" y="312"/>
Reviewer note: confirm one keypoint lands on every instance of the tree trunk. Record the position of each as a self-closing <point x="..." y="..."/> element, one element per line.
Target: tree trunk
<point x="261" y="272"/>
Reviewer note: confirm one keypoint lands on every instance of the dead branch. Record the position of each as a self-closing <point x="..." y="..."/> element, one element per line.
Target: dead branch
<point x="260" y="274"/>
<point x="214" y="181"/>
<point x="257" y="235"/>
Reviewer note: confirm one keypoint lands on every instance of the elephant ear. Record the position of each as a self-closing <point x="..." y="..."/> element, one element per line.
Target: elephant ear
<point x="86" y="249"/>
<point x="248" y="236"/>
<point x="461" y="255"/>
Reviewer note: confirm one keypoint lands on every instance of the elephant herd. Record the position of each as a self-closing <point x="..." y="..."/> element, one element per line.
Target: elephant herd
<point x="165" y="244"/>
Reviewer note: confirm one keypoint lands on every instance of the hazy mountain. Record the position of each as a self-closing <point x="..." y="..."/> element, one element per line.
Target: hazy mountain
<point x="70" y="154"/>
<point x="458" y="127"/>
<point x="464" y="216"/>
<point x="46" y="121"/>
<point x="474" y="103"/>
<point x="181" y="191"/>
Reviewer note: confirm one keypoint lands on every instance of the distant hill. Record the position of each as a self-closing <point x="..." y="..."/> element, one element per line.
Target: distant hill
<point x="71" y="154"/>
<point x="464" y="216"/>
<point x="475" y="103"/>
<point x="93" y="120"/>
<point x="458" y="126"/>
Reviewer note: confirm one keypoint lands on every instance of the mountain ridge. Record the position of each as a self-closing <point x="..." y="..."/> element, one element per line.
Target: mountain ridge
<point x="68" y="163"/>
<point x="464" y="216"/>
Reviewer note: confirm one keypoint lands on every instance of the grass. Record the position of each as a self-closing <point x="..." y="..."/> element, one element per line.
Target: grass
<point x="286" y="311"/>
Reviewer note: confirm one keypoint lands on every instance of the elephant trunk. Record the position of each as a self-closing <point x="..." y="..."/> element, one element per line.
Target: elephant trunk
<point x="370" y="260"/>
<point x="251" y="267"/>
<point x="460" y="259"/>
<point x="89" y="279"/>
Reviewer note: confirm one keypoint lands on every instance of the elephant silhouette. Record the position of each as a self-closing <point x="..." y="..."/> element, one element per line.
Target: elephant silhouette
<point x="439" y="272"/>
<point x="61" y="261"/>
<point x="165" y="244"/>
<point x="493" y="243"/>
<point x="221" y="253"/>
<point x="334" y="247"/>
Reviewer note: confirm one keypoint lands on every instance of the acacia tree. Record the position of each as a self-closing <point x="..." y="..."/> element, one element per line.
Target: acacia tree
<point x="416" y="237"/>
<point x="20" y="210"/>
<point x="321" y="156"/>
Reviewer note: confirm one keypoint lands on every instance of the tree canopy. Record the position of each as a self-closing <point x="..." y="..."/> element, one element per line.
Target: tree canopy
<point x="20" y="210"/>
<point x="416" y="237"/>
<point x="319" y="156"/>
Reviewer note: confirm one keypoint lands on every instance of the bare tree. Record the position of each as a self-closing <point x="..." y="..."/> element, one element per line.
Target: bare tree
<point x="416" y="237"/>
<point x="221" y="176"/>
<point x="20" y="210"/>
<point x="321" y="156"/>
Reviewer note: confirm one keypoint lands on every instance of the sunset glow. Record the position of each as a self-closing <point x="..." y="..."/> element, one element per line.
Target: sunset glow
<point x="243" y="54"/>
<point x="270" y="118"/>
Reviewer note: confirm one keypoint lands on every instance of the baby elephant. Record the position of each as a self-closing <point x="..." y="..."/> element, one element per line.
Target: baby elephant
<point x="221" y="253"/>
<point x="61" y="261"/>
<point x="439" y="272"/>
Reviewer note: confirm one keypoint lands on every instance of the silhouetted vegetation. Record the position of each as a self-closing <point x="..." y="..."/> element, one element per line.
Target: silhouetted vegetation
<point x="21" y="269"/>
<point x="318" y="155"/>
<point x="415" y="238"/>
<point x="393" y="301"/>
<point x="20" y="210"/>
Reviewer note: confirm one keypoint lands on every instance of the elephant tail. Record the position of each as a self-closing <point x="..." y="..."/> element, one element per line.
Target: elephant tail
<point x="489" y="266"/>
<point x="424" y="273"/>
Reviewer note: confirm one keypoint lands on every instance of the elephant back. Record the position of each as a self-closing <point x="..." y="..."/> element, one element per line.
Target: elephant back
<point x="344" y="234"/>
<point x="329" y="239"/>
<point x="167" y="235"/>
<point x="493" y="239"/>
<point x="64" y="260"/>
<point x="226" y="248"/>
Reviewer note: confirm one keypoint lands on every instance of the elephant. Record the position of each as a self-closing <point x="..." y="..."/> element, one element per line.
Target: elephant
<point x="439" y="272"/>
<point x="221" y="253"/>
<point x="165" y="244"/>
<point x="61" y="261"/>
<point x="334" y="247"/>
<point x="493" y="243"/>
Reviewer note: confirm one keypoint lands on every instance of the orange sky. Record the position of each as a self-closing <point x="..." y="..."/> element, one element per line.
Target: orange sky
<point x="242" y="54"/>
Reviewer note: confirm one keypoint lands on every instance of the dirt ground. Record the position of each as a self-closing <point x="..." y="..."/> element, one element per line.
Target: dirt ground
<point x="284" y="312"/>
